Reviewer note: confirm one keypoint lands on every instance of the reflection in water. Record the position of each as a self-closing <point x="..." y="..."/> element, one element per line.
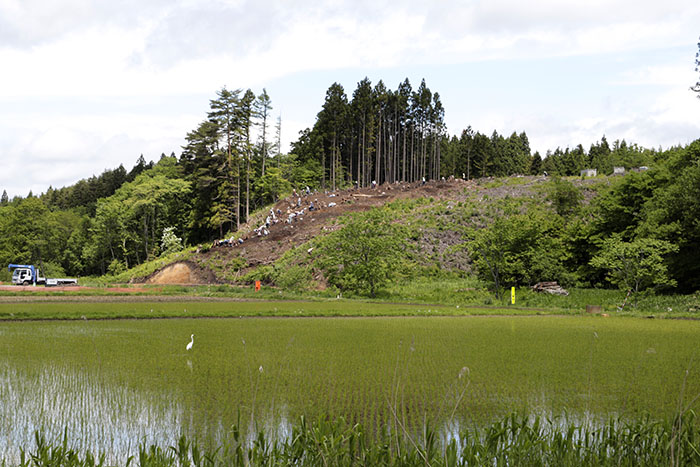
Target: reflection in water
<point x="542" y="421"/>
<point x="105" y="417"/>
<point x="275" y="426"/>
<point x="102" y="417"/>
<point x="114" y="419"/>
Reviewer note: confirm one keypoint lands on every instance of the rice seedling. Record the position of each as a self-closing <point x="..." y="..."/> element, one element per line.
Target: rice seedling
<point x="115" y="385"/>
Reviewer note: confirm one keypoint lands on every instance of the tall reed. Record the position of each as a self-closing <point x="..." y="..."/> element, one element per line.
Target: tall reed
<point x="517" y="439"/>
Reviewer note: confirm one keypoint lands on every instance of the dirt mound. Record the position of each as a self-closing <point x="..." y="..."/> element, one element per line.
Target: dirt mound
<point x="181" y="273"/>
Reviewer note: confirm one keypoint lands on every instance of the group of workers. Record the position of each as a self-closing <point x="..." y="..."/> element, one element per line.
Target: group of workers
<point x="295" y="212"/>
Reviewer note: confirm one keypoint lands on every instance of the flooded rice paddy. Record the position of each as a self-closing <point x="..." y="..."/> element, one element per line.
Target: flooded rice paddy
<point x="115" y="384"/>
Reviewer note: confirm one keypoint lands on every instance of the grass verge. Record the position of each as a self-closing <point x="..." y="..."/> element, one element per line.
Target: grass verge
<point x="147" y="309"/>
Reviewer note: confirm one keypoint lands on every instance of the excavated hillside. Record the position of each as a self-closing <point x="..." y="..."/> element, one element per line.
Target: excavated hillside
<point x="225" y="262"/>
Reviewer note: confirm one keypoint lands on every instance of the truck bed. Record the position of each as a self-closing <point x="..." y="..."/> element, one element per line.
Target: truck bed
<point x="58" y="282"/>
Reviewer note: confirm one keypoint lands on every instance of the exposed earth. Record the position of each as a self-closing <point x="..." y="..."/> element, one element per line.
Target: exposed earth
<point x="184" y="272"/>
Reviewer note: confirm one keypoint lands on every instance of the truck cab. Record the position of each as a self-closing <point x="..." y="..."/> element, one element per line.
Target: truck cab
<point x="24" y="276"/>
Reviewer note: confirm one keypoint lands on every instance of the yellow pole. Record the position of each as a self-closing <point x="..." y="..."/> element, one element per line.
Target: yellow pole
<point x="512" y="295"/>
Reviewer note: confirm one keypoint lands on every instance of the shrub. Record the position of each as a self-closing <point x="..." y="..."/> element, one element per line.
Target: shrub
<point x="565" y="197"/>
<point x="294" y="277"/>
<point x="116" y="267"/>
<point x="363" y="255"/>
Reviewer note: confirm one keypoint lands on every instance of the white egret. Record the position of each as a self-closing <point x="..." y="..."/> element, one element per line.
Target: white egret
<point x="189" y="346"/>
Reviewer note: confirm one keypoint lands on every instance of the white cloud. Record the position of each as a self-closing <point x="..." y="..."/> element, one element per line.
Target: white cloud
<point x="94" y="48"/>
<point x="28" y="23"/>
<point x="106" y="81"/>
<point x="676" y="74"/>
<point x="40" y="151"/>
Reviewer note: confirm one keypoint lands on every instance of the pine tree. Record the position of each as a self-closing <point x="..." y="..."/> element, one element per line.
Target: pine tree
<point x="264" y="106"/>
<point x="422" y="100"/>
<point x="278" y="137"/>
<point x="249" y="110"/>
<point x="438" y="129"/>
<point x="201" y="160"/>
<point x="331" y="123"/>
<point x="599" y="156"/>
<point x="536" y="164"/>
<point x="363" y="118"/>
<point x="226" y="112"/>
<point x="404" y="94"/>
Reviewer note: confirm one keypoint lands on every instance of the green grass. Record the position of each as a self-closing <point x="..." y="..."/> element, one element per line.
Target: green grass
<point x="68" y="310"/>
<point x="515" y="440"/>
<point x="452" y="372"/>
<point x="443" y="293"/>
<point x="611" y="301"/>
<point x="445" y="289"/>
<point x="183" y="291"/>
<point x="467" y="292"/>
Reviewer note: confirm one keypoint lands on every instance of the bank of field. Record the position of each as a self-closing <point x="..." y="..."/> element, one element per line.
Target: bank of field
<point x="117" y="383"/>
<point x="143" y="308"/>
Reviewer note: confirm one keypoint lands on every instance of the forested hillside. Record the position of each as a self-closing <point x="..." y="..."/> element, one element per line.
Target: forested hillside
<point x="231" y="165"/>
<point x="636" y="232"/>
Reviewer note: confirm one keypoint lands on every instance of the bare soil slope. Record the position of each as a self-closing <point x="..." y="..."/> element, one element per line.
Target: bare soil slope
<point x="257" y="250"/>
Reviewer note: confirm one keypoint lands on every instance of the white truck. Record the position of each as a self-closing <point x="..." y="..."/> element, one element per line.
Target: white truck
<point x="27" y="274"/>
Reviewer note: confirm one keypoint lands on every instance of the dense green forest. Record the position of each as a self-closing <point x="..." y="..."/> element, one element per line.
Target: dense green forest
<point x="231" y="165"/>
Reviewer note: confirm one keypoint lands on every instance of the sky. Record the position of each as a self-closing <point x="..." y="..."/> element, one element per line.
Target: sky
<point x="87" y="85"/>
